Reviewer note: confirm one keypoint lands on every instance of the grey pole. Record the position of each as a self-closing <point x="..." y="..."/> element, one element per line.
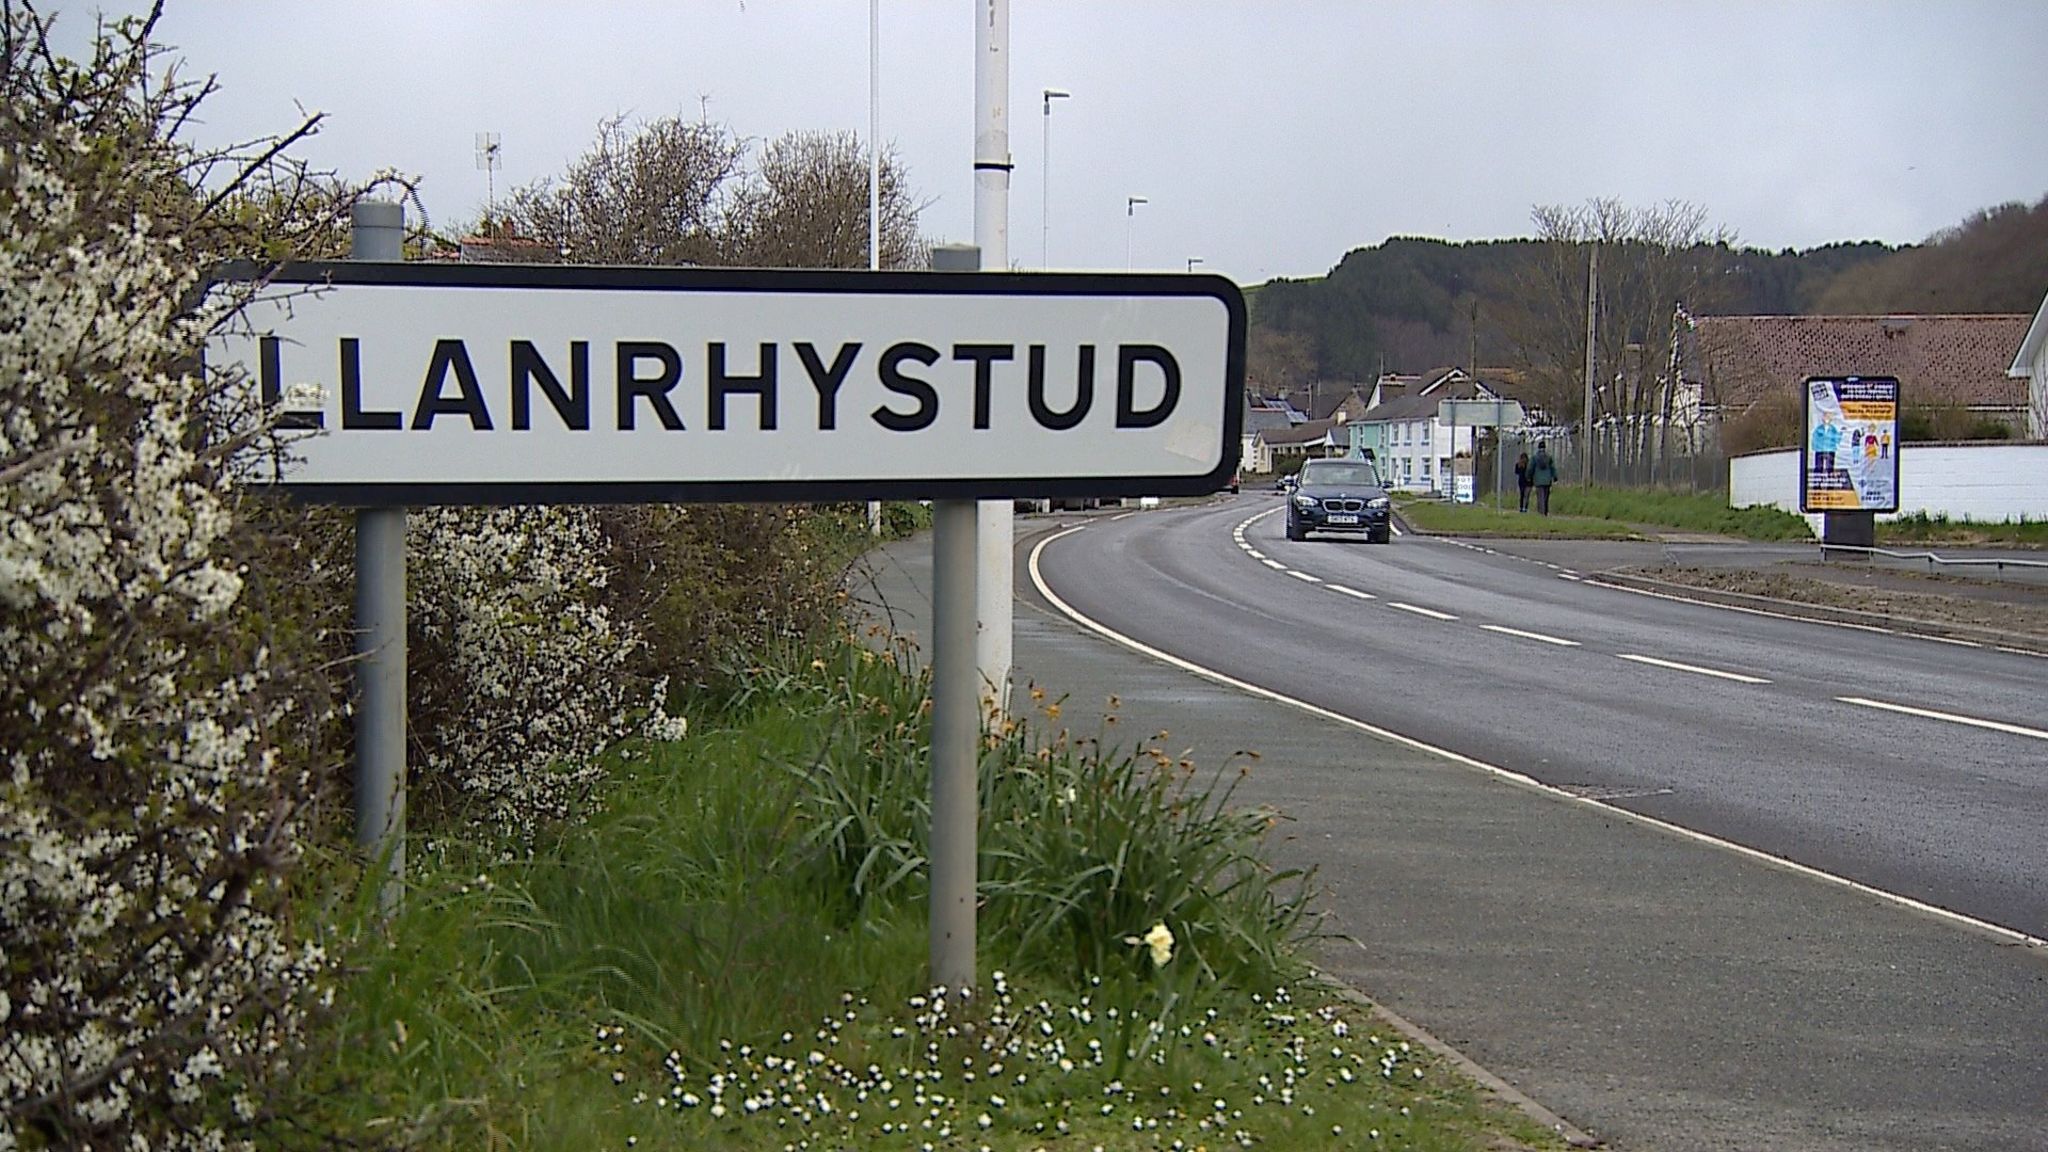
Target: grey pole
<point x="378" y="233"/>
<point x="1592" y="328"/>
<point x="956" y="715"/>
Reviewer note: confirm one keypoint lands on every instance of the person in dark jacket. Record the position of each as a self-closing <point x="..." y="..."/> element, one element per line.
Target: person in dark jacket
<point x="1542" y="474"/>
<point x="1522" y="479"/>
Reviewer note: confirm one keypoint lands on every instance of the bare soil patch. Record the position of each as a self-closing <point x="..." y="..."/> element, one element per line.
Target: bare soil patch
<point x="2008" y="607"/>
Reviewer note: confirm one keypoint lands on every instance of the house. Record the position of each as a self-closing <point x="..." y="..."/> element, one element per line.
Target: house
<point x="2031" y="364"/>
<point x="1941" y="361"/>
<point x="1261" y="418"/>
<point x="1413" y="448"/>
<point x="1286" y="448"/>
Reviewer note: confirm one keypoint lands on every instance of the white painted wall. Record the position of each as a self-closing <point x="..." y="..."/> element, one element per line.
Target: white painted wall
<point x="1986" y="482"/>
<point x="2037" y="393"/>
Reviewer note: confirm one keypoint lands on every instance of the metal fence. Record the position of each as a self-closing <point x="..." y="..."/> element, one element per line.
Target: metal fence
<point x="1669" y="458"/>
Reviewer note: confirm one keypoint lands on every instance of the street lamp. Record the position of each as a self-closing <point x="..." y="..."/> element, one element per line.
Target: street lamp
<point x="1130" y="223"/>
<point x="1192" y="261"/>
<point x="1045" y="173"/>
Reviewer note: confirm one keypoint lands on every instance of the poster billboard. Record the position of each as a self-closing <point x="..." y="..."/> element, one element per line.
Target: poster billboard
<point x="1850" y="462"/>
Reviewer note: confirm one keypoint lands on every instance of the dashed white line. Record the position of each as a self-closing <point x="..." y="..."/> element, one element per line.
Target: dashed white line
<point x="1299" y="575"/>
<point x="1506" y="631"/>
<point x="1123" y="515"/>
<point x="1350" y="591"/>
<point x="1429" y="612"/>
<point x="1948" y="640"/>
<point x="1255" y="554"/>
<point x="1931" y="714"/>
<point x="1693" y="668"/>
<point x="1567" y="576"/>
<point x="1271" y="563"/>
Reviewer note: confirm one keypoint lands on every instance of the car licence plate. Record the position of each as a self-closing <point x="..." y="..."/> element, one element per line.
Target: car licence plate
<point x="1343" y="518"/>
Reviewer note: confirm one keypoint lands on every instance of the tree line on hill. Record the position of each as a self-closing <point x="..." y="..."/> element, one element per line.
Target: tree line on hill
<point x="1413" y="303"/>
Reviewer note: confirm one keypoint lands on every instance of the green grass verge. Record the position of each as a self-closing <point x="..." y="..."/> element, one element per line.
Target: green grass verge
<point x="1483" y="520"/>
<point x="1919" y="528"/>
<point x="1611" y="513"/>
<point x="731" y="953"/>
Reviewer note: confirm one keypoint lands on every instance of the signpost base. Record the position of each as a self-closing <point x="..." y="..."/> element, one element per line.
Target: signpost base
<point x="1848" y="530"/>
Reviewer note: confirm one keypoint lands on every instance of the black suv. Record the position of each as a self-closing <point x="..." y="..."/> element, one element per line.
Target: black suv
<point x="1339" y="496"/>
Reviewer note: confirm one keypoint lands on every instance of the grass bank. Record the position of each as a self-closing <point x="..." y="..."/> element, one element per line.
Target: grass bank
<point x="1919" y="528"/>
<point x="1613" y="513"/>
<point x="731" y="954"/>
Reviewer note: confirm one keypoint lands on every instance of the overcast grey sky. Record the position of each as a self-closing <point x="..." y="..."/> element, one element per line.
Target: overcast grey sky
<point x="1270" y="138"/>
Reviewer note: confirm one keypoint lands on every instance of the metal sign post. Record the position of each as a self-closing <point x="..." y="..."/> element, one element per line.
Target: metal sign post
<point x="956" y="714"/>
<point x="378" y="233"/>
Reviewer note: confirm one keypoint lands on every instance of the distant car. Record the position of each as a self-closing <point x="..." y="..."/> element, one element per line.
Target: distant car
<point x="1284" y="483"/>
<point x="1339" y="496"/>
<point x="1236" y="481"/>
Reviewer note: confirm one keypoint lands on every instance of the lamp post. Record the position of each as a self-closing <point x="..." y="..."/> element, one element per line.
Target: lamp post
<point x="1192" y="261"/>
<point x="1130" y="223"/>
<point x="1045" y="173"/>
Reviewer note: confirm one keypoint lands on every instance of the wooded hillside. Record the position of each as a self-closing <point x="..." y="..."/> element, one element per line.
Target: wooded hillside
<point x="1412" y="303"/>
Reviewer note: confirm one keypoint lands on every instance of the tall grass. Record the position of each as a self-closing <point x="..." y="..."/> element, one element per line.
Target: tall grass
<point x="1920" y="528"/>
<point x="740" y="883"/>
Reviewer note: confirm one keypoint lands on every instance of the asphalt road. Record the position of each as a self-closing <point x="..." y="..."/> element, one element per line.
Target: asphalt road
<point x="1657" y="989"/>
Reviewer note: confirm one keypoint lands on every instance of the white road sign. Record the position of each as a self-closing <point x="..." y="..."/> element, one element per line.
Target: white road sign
<point x="523" y="384"/>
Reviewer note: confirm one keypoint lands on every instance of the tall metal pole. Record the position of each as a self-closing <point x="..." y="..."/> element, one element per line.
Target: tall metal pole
<point x="992" y="235"/>
<point x="956" y="717"/>
<point x="1045" y="174"/>
<point x="1130" y="225"/>
<point x="378" y="233"/>
<point x="874" y="178"/>
<point x="1592" y="327"/>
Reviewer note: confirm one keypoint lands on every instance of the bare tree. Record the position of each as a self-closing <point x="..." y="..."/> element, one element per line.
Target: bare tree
<point x="807" y="207"/>
<point x="1652" y="262"/>
<point x="654" y="193"/>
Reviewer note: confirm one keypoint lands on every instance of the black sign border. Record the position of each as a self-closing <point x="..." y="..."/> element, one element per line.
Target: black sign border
<point x="773" y="281"/>
<point x="1806" y="443"/>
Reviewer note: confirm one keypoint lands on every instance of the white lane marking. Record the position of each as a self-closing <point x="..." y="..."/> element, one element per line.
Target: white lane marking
<point x="1429" y="612"/>
<point x="1395" y="529"/>
<point x="1998" y="931"/>
<point x="1255" y="554"/>
<point x="1569" y="576"/>
<point x="1271" y="563"/>
<point x="2021" y="651"/>
<point x="1350" y="591"/>
<point x="1123" y="516"/>
<point x="1931" y="714"/>
<point x="1947" y="640"/>
<point x="1693" y="668"/>
<point x="1506" y="631"/>
<point x="1303" y="576"/>
<point x="1736" y="607"/>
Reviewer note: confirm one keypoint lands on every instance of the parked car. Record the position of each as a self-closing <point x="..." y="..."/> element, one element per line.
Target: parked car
<point x="1339" y="496"/>
<point x="1284" y="483"/>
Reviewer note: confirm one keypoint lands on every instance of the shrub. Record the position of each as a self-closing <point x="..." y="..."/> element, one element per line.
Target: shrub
<point x="160" y="741"/>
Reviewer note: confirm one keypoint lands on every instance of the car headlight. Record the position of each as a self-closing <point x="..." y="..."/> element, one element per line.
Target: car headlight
<point x="1301" y="501"/>
<point x="1376" y="502"/>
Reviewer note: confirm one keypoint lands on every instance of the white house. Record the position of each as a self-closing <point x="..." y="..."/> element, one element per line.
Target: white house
<point x="1414" y="449"/>
<point x="2031" y="364"/>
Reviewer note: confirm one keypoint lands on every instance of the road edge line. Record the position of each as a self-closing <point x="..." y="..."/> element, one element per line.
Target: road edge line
<point x="1999" y="932"/>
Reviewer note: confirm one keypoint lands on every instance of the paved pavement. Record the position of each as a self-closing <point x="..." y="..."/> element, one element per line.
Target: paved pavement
<point x="1656" y="990"/>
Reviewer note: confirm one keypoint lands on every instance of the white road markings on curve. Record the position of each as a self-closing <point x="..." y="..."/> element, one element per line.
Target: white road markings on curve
<point x="1998" y="931"/>
<point x="1506" y="631"/>
<point x="1429" y="612"/>
<point x="1272" y="563"/>
<point x="1674" y="665"/>
<point x="1255" y="554"/>
<point x="1300" y="575"/>
<point x="1931" y="714"/>
<point x="1350" y="592"/>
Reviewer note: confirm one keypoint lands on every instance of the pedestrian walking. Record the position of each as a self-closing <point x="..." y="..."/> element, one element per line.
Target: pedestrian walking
<point x="1542" y="474"/>
<point x="1522" y="479"/>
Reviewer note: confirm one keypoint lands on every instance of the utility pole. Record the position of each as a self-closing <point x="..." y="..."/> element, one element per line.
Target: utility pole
<point x="1592" y="321"/>
<point x="996" y="518"/>
<point x="874" y="179"/>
